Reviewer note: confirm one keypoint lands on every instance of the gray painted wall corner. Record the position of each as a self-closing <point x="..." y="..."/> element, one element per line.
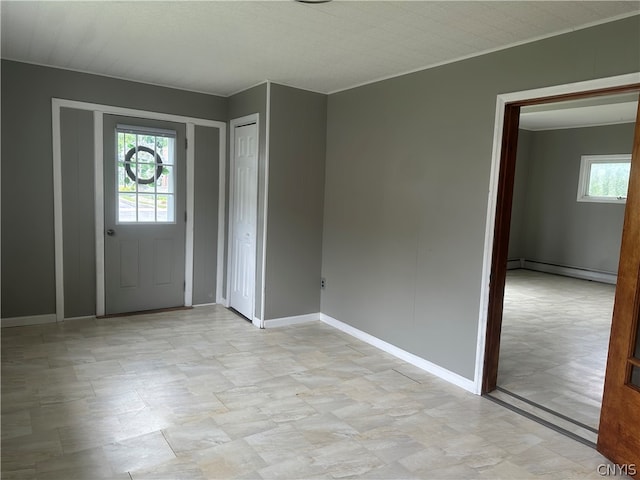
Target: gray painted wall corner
<point x="296" y="201"/>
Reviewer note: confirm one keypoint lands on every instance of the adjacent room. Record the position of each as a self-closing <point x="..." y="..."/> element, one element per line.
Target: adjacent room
<point x="568" y="211"/>
<point x="266" y="239"/>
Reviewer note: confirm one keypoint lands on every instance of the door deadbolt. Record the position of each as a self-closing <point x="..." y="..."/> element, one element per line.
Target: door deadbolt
<point x="111" y="232"/>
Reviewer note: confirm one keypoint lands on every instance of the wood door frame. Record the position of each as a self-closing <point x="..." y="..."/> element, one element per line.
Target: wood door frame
<point x="617" y="406"/>
<point x="500" y="203"/>
<point x="99" y="110"/>
<point x="238" y="122"/>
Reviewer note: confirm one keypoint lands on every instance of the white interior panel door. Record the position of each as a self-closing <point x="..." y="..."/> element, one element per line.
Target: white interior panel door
<point x="244" y="208"/>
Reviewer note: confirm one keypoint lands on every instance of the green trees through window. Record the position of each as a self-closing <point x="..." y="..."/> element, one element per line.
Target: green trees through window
<point x="604" y="178"/>
<point x="609" y="179"/>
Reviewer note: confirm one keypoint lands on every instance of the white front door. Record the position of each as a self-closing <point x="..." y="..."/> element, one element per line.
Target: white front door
<point x="243" y="221"/>
<point x="144" y="214"/>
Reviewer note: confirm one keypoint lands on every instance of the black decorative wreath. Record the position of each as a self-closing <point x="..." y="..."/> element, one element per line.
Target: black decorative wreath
<point x="132" y="176"/>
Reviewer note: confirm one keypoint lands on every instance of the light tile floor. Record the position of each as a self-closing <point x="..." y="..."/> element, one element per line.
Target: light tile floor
<point x="202" y="394"/>
<point x="554" y="343"/>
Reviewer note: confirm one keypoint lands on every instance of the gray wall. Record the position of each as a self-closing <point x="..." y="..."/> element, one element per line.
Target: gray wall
<point x="407" y="177"/>
<point x="28" y="277"/>
<point x="247" y="102"/>
<point x="556" y="228"/>
<point x="296" y="191"/>
<point x="78" y="223"/>
<point x="205" y="221"/>
<point x="518" y="216"/>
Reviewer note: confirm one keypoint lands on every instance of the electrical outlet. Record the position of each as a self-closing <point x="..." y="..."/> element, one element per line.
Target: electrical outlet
<point x="323" y="282"/>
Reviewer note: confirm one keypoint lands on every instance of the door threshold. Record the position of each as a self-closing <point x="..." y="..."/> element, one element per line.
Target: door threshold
<point x="545" y="416"/>
<point x="143" y="312"/>
<point x="240" y="314"/>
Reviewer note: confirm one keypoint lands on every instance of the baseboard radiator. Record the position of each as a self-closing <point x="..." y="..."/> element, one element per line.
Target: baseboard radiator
<point x="575" y="272"/>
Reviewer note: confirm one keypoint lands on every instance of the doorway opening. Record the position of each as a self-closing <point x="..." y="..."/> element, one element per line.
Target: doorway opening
<point x="144" y="214"/>
<point x="554" y="259"/>
<point x="95" y="192"/>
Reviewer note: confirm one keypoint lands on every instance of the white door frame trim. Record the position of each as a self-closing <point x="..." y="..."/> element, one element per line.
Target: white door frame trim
<point x="98" y="198"/>
<point x="501" y="101"/>
<point x="188" y="251"/>
<point x="265" y="213"/>
<point x="99" y="111"/>
<point x="245" y="120"/>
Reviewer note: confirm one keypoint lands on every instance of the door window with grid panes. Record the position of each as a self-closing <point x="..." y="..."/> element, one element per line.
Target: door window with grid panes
<point x="146" y="175"/>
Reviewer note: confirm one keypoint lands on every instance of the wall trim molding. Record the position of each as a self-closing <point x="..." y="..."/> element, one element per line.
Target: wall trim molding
<point x="190" y="133"/>
<point x="222" y="208"/>
<point x="584" y="274"/>
<point x="295" y="320"/>
<point x="28" y="320"/>
<point x="98" y="198"/>
<point x="397" y="352"/>
<point x="265" y="213"/>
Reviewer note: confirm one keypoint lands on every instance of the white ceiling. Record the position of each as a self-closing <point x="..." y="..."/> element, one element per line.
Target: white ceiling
<point x="587" y="112"/>
<point x="222" y="47"/>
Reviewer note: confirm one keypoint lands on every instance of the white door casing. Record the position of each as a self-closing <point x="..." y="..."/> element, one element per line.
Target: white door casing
<point x="99" y="111"/>
<point x="243" y="219"/>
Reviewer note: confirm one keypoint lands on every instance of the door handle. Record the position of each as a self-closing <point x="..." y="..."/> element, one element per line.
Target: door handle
<point x="111" y="232"/>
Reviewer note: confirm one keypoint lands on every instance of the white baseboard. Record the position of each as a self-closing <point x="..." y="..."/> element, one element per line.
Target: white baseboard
<point x="28" y="320"/>
<point x="286" y="321"/>
<point x="204" y="305"/>
<point x="414" y="360"/>
<point x="602" y="277"/>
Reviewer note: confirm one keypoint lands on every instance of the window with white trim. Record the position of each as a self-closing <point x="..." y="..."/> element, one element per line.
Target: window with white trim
<point x="604" y="178"/>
